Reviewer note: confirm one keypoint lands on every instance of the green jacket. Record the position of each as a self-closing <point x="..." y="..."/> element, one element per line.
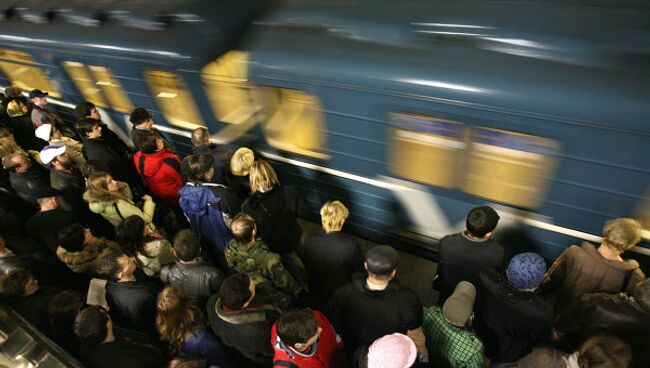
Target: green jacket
<point x="126" y="208"/>
<point x="265" y="269"/>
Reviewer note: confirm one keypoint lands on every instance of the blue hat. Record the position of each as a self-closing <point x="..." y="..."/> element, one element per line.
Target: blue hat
<point x="526" y="270"/>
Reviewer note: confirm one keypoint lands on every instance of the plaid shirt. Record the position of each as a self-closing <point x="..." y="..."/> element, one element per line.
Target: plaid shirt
<point x="448" y="345"/>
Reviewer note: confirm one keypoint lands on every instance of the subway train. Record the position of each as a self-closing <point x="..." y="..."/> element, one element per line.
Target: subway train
<point x="411" y="113"/>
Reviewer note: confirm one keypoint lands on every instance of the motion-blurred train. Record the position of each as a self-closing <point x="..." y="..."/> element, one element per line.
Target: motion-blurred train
<point x="410" y="112"/>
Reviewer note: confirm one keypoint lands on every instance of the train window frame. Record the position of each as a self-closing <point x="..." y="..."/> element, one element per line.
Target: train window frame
<point x="84" y="81"/>
<point x="287" y="122"/>
<point x="163" y="94"/>
<point x="111" y="88"/>
<point x="13" y="60"/>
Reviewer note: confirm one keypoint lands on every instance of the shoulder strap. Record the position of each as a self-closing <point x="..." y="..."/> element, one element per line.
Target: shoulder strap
<point x="284" y="363"/>
<point x="141" y="165"/>
<point x="626" y="279"/>
<point x="117" y="209"/>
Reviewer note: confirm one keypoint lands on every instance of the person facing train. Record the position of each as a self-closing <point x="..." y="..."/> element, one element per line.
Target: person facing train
<point x="201" y="144"/>
<point x="159" y="168"/>
<point x="142" y="121"/>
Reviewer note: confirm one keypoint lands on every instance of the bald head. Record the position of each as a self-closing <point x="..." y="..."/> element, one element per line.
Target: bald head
<point x="18" y="162"/>
<point x="200" y="137"/>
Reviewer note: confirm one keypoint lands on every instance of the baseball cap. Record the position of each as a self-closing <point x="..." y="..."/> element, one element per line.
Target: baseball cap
<point x="382" y="260"/>
<point x="392" y="351"/>
<point x="458" y="307"/>
<point x="37" y="93"/>
<point x="44" y="131"/>
<point x="526" y="270"/>
<point x="50" y="152"/>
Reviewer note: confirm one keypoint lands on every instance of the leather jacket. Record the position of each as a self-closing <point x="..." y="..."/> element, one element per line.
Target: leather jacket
<point x="29" y="184"/>
<point x="199" y="280"/>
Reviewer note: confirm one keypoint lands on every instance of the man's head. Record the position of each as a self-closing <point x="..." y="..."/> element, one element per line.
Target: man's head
<point x="642" y="295"/>
<point x="200" y="168"/>
<point x="56" y="157"/>
<point x="73" y="237"/>
<point x="604" y="352"/>
<point x="200" y="137"/>
<point x="457" y="309"/>
<point x="526" y="271"/>
<point x="38" y="97"/>
<point x="299" y="330"/>
<point x="18" y="282"/>
<point x="333" y="215"/>
<point x="116" y="267"/>
<point x="481" y="221"/>
<point x="381" y="262"/>
<point x="141" y="118"/>
<point x="186" y="245"/>
<point x="93" y="325"/>
<point x="86" y="109"/>
<point x="17" y="162"/>
<point x="46" y="198"/>
<point x="150" y="143"/>
<point x="88" y="128"/>
<point x="241" y="161"/>
<point x="64" y="307"/>
<point x="621" y="234"/>
<point x="237" y="291"/>
<point x="243" y="228"/>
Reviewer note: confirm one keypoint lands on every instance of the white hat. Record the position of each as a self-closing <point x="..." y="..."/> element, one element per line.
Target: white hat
<point x="44" y="131"/>
<point x="50" y="152"/>
<point x="392" y="351"/>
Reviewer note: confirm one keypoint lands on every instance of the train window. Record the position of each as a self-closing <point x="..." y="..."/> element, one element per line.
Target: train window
<point x="226" y="86"/>
<point x="112" y="88"/>
<point x="23" y="72"/>
<point x="84" y="82"/>
<point x="425" y="149"/>
<point x="508" y="167"/>
<point x="293" y="121"/>
<point x="174" y="99"/>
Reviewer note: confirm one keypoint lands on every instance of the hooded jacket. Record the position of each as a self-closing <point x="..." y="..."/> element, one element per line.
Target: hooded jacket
<point x="205" y="205"/>
<point x="84" y="260"/>
<point x="161" y="174"/>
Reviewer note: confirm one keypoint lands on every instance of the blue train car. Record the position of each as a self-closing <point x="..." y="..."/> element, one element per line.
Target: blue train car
<point x="410" y="113"/>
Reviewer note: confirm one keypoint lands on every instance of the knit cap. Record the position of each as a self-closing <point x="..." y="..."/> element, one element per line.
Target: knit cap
<point x="526" y="270"/>
<point x="392" y="351"/>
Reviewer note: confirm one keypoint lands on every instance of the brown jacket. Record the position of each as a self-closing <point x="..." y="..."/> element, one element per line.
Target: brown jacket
<point x="84" y="260"/>
<point x="581" y="270"/>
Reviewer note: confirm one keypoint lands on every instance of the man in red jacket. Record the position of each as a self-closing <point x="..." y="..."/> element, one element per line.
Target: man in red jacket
<point x="305" y="339"/>
<point x="160" y="169"/>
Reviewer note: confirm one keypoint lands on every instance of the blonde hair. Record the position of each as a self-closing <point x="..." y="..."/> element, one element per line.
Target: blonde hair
<point x="177" y="316"/>
<point x="262" y="176"/>
<point x="241" y="161"/>
<point x="622" y="233"/>
<point x="333" y="214"/>
<point x="9" y="146"/>
<point x="97" y="189"/>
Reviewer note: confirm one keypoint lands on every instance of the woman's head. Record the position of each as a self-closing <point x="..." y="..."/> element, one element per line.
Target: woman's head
<point x="621" y="233"/>
<point x="333" y="214"/>
<point x="200" y="168"/>
<point x="604" y="352"/>
<point x="130" y="234"/>
<point x="63" y="308"/>
<point x="262" y="176"/>
<point x="177" y="316"/>
<point x="241" y="161"/>
<point x="101" y="187"/>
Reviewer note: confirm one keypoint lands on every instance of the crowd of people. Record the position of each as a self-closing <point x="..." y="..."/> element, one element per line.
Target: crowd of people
<point x="141" y="258"/>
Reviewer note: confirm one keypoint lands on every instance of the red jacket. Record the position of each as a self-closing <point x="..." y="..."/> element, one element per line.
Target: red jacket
<point x="329" y="352"/>
<point x="161" y="174"/>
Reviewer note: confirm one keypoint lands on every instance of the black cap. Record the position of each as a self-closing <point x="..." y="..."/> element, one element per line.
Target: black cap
<point x="37" y="93"/>
<point x="382" y="260"/>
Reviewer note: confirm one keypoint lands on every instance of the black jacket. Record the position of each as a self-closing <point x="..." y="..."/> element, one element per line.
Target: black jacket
<point x="199" y="280"/>
<point x="361" y="316"/>
<point x="71" y="185"/>
<point x="247" y="331"/>
<point x="276" y="217"/>
<point x="29" y="184"/>
<point x="124" y="352"/>
<point x="607" y="314"/>
<point x="221" y="164"/>
<point x="463" y="259"/>
<point x="23" y="130"/>
<point x="44" y="226"/>
<point x="330" y="260"/>
<point x="510" y="322"/>
<point x="118" y="160"/>
<point x="133" y="304"/>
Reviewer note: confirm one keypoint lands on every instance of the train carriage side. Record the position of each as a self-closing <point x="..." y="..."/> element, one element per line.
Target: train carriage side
<point x="414" y="135"/>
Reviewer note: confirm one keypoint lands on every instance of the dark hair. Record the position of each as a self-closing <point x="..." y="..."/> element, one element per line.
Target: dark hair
<point x="85" y="126"/>
<point x="130" y="234"/>
<point x="90" y="325"/>
<point x="186" y="245"/>
<point x="108" y="266"/>
<point x="14" y="282"/>
<point x="93" y="167"/>
<point x="234" y="291"/>
<point x="604" y="352"/>
<point x="147" y="143"/>
<point x="83" y="109"/>
<point x="139" y="116"/>
<point x="197" y="166"/>
<point x="72" y="237"/>
<point x="199" y="136"/>
<point x="63" y="308"/>
<point x="297" y="326"/>
<point x="642" y="294"/>
<point x="242" y="227"/>
<point x="481" y="220"/>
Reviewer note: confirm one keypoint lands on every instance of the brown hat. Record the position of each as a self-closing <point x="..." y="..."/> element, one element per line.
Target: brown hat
<point x="460" y="304"/>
